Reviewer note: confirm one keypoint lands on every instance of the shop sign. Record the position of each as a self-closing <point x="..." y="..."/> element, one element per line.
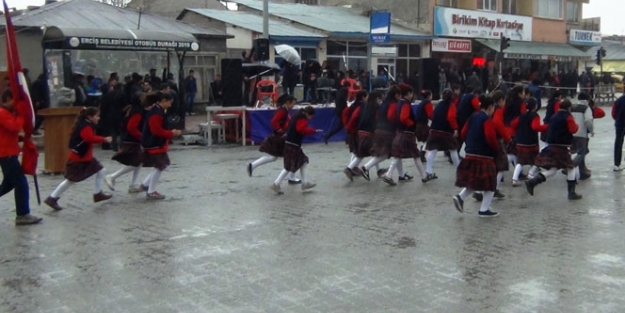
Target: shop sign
<point x="451" y="45"/>
<point x="477" y="24"/>
<point x="380" y="27"/>
<point x="91" y="43"/>
<point x="557" y="58"/>
<point x="584" y="37"/>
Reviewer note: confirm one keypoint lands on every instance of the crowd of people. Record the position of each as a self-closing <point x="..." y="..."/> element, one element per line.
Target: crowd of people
<point x="500" y="132"/>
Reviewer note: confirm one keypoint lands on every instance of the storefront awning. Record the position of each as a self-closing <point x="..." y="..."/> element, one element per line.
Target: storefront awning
<point x="611" y="66"/>
<point x="536" y="50"/>
<point x="118" y="39"/>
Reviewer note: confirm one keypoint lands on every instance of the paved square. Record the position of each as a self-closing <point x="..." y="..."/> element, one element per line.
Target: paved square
<point x="222" y="242"/>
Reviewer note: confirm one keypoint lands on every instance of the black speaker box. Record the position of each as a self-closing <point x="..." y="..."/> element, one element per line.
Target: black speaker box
<point x="261" y="49"/>
<point x="232" y="79"/>
<point x="428" y="77"/>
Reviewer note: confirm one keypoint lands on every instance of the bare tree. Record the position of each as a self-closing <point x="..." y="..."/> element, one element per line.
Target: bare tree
<point x="117" y="3"/>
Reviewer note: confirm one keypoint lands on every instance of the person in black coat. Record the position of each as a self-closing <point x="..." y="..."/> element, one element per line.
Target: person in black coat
<point x="39" y="96"/>
<point x="341" y="104"/>
<point x="111" y="116"/>
<point x="290" y="77"/>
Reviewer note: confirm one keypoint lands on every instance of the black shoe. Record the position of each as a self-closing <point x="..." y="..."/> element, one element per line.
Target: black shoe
<point x="499" y="195"/>
<point x="459" y="203"/>
<point x="294" y="181"/>
<point x="381" y="172"/>
<point x="325" y="139"/>
<point x="429" y="177"/>
<point x="522" y="177"/>
<point x="349" y="174"/>
<point x="488" y="213"/>
<point x="406" y="178"/>
<point x="423" y="159"/>
<point x="389" y="181"/>
<point x="249" y="169"/>
<point x="571" y="189"/>
<point x="532" y="183"/>
<point x="365" y="173"/>
<point x="478" y="196"/>
<point x="584" y="177"/>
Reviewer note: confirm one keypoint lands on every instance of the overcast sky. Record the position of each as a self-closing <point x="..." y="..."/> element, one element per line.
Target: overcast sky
<point x="611" y="20"/>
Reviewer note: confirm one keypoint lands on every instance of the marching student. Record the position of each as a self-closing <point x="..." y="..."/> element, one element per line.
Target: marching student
<point x="583" y="115"/>
<point x="11" y="124"/>
<point x="81" y="163"/>
<point x="405" y="143"/>
<point x="502" y="160"/>
<point x="618" y="114"/>
<point x="443" y="132"/>
<point x="468" y="104"/>
<point x="294" y="157"/>
<point x="155" y="142"/>
<point x="553" y="106"/>
<point x="130" y="153"/>
<point x="424" y="114"/>
<point x="527" y="126"/>
<point x="556" y="155"/>
<point x="363" y="121"/>
<point x="274" y="144"/>
<point x="384" y="133"/>
<point x="477" y="171"/>
<point x="351" y="129"/>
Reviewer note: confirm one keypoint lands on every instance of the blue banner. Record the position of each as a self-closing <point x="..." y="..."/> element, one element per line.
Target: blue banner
<point x="380" y="27"/>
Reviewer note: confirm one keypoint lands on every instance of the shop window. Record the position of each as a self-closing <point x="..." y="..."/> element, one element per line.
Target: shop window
<point x="509" y="6"/>
<point x="447" y="3"/>
<point x="572" y="11"/>
<point x="402" y="51"/>
<point x="308" y="53"/>
<point x="548" y="9"/>
<point x="487" y="5"/>
<point x="414" y="51"/>
<point x="337" y="47"/>
<point x="357" y="49"/>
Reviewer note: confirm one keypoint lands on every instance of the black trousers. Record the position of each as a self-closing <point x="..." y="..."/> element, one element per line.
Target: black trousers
<point x="618" y="145"/>
<point x="14" y="179"/>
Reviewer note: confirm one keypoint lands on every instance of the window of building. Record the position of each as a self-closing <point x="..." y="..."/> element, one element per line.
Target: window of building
<point x="447" y="3"/>
<point x="509" y="6"/>
<point x="310" y="2"/>
<point x="548" y="9"/>
<point x="488" y="5"/>
<point x="572" y="11"/>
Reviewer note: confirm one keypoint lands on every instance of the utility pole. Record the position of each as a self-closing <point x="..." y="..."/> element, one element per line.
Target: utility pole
<point x="266" y="19"/>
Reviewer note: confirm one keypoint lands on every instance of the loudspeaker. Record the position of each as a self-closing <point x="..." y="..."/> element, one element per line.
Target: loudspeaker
<point x="261" y="49"/>
<point x="232" y="80"/>
<point x="428" y="77"/>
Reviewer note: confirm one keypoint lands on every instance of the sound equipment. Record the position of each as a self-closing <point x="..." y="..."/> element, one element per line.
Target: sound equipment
<point x="232" y="82"/>
<point x="261" y="49"/>
<point x="428" y="77"/>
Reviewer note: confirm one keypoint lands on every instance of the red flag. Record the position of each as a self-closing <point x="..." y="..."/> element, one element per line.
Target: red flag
<point x="21" y="98"/>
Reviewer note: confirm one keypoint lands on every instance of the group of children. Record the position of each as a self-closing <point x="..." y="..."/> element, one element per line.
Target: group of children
<point x="146" y="140"/>
<point x="496" y="130"/>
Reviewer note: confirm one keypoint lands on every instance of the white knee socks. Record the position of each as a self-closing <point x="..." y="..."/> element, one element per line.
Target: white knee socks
<point x="430" y="156"/>
<point x="302" y="173"/>
<point x="391" y="168"/>
<point x="533" y="171"/>
<point x="374" y="162"/>
<point x="63" y="187"/>
<point x="148" y="179"/>
<point x="518" y="169"/>
<point x="465" y="193"/>
<point x="487" y="200"/>
<point x="122" y="171"/>
<point x="135" y="176"/>
<point x="455" y="158"/>
<point x="156" y="175"/>
<point x="512" y="158"/>
<point x="550" y="172"/>
<point x="281" y="177"/>
<point x="400" y="168"/>
<point x="571" y="173"/>
<point x="354" y="163"/>
<point x="499" y="178"/>
<point x="99" y="177"/>
<point x="263" y="160"/>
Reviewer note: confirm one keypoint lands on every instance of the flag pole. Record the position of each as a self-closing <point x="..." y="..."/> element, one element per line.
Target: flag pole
<point x="37" y="189"/>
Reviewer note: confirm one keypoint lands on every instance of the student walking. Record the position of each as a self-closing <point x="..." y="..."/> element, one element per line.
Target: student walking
<point x="363" y="121"/>
<point x="81" y="164"/>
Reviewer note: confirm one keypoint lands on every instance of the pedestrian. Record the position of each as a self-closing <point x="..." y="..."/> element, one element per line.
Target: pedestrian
<point x="273" y="145"/>
<point x="155" y="139"/>
<point x="424" y="114"/>
<point x="556" y="155"/>
<point x="130" y="153"/>
<point x="294" y="157"/>
<point x="534" y="88"/>
<point x="81" y="163"/>
<point x="351" y="129"/>
<point x="384" y="133"/>
<point x="191" y="85"/>
<point x="618" y="114"/>
<point x="363" y="121"/>
<point x="442" y="80"/>
<point x="39" y="96"/>
<point x="526" y="127"/>
<point x="11" y="124"/>
<point x="340" y="106"/>
<point x="405" y="142"/>
<point x="583" y="116"/>
<point x="443" y="132"/>
<point x="477" y="171"/>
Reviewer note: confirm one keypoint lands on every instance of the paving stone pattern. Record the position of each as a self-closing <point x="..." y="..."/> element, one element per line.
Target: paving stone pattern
<point x="223" y="242"/>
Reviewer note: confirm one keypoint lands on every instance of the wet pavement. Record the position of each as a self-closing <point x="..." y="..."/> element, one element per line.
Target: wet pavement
<point x="223" y="242"/>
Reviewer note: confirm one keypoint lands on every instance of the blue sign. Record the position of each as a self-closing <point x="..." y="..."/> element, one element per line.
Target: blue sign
<point x="380" y="38"/>
<point x="380" y="27"/>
